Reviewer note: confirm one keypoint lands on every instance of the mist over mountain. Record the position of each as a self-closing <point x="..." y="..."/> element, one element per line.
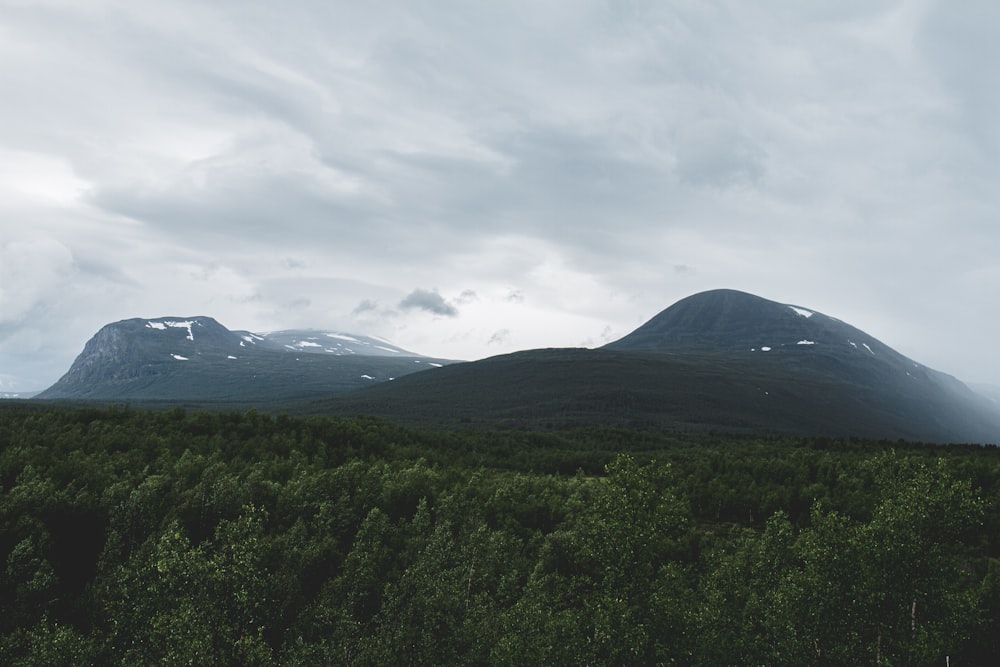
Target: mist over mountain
<point x="990" y="391"/>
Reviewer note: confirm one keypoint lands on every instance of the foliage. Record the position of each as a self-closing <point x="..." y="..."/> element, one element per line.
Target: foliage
<point x="138" y="537"/>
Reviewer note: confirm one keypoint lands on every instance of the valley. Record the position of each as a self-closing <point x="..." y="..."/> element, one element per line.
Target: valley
<point x="738" y="481"/>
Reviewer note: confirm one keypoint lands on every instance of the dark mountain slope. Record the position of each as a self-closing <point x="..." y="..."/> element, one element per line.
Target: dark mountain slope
<point x="721" y="320"/>
<point x="815" y="345"/>
<point x="720" y="359"/>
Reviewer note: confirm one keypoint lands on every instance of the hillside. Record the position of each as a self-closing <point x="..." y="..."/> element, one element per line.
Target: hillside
<point x="720" y="359"/>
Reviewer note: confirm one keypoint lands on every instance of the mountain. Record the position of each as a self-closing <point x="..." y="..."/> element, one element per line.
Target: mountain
<point x="721" y="359"/>
<point x="12" y="395"/>
<point x="729" y="320"/>
<point x="718" y="360"/>
<point x="193" y="359"/>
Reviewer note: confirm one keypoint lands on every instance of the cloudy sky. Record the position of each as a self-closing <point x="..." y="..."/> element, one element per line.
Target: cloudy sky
<point x="471" y="178"/>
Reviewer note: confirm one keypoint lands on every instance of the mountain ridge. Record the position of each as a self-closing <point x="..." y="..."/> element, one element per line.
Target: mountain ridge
<point x="718" y="359"/>
<point x="721" y="358"/>
<point x="197" y="358"/>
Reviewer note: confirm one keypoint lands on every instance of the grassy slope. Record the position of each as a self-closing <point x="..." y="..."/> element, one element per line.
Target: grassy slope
<point x="793" y="393"/>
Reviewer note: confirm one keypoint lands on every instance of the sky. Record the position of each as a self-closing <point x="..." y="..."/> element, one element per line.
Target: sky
<point x="471" y="178"/>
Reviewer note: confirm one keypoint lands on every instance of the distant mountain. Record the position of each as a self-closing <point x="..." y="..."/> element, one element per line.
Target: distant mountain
<point x="717" y="360"/>
<point x="197" y="359"/>
<point x="17" y="394"/>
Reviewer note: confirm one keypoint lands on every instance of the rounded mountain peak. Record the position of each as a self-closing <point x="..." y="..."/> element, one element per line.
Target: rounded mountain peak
<point x="727" y="319"/>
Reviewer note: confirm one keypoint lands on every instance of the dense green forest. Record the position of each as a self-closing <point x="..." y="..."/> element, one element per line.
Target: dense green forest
<point x="142" y="537"/>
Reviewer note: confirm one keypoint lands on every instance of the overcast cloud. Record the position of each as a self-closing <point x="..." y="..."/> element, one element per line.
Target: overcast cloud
<point x="429" y="301"/>
<point x="467" y="179"/>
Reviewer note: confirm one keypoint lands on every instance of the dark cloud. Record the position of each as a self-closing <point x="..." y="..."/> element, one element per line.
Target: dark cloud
<point x="500" y="337"/>
<point x="428" y="300"/>
<point x="366" y="306"/>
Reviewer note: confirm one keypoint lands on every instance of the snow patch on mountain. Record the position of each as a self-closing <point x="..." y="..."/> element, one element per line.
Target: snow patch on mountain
<point x="350" y="339"/>
<point x="802" y="311"/>
<point x="162" y="326"/>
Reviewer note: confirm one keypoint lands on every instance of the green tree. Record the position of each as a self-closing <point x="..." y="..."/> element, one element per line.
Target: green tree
<point x="624" y="542"/>
<point x="920" y="594"/>
<point x="182" y="603"/>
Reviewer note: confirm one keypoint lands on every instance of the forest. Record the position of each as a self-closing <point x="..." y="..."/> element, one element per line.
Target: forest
<point x="139" y="537"/>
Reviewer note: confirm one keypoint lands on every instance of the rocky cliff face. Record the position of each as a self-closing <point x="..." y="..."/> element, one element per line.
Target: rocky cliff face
<point x="132" y="348"/>
<point x="111" y="354"/>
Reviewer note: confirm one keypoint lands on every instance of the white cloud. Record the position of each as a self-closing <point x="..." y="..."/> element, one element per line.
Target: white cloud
<point x="278" y="165"/>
